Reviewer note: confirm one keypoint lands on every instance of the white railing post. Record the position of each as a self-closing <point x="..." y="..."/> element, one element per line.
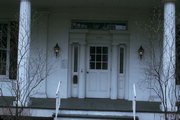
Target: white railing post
<point x="134" y="102"/>
<point x="58" y="99"/>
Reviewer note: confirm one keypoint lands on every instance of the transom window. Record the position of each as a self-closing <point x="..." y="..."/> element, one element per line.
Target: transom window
<point x="98" y="58"/>
<point x="3" y="48"/>
<point x="99" y="25"/>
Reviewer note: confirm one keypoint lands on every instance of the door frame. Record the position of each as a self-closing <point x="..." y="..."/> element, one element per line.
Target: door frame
<point x="117" y="37"/>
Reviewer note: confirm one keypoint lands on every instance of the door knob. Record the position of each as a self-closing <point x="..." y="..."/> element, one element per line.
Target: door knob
<point x="87" y="72"/>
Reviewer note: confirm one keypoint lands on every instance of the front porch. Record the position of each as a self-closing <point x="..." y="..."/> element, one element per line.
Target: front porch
<point x="88" y="104"/>
<point x="96" y="65"/>
<point x="90" y="108"/>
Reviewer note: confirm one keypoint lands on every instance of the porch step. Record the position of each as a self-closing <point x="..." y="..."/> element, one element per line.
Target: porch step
<point x="93" y="115"/>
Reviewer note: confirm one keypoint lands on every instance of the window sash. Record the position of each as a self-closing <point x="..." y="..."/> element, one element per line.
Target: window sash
<point x="4" y="62"/>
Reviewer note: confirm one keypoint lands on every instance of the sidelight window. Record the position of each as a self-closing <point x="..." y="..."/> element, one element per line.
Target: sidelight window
<point x="121" y="58"/>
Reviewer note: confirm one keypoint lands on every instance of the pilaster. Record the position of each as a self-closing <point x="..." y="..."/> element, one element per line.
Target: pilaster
<point x="114" y="74"/>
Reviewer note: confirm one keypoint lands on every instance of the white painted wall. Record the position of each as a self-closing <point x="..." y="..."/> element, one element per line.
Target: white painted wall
<point x="53" y="26"/>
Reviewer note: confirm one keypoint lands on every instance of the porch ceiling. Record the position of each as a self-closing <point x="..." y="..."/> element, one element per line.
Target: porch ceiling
<point x="84" y="3"/>
<point x="94" y="3"/>
<point x="58" y="4"/>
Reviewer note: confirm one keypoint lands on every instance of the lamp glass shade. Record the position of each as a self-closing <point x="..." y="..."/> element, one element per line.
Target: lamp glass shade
<point x="56" y="49"/>
<point x="141" y="51"/>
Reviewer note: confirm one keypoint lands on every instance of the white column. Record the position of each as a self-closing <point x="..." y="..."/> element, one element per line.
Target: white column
<point x="114" y="72"/>
<point x="24" y="50"/>
<point x="169" y="53"/>
<point x="82" y="71"/>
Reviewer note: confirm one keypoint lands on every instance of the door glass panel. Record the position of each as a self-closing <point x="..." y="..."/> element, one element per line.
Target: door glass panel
<point x="105" y="50"/>
<point x="99" y="58"/>
<point x="92" y="50"/>
<point x="104" y="66"/>
<point x="98" y="50"/>
<point x="92" y="58"/>
<point x="92" y="65"/>
<point x="98" y="65"/>
<point x="105" y="58"/>
<point x="121" y="60"/>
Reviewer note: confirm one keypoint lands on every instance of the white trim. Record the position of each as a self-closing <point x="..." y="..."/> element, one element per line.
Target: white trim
<point x="122" y="75"/>
<point x="74" y="87"/>
<point x="88" y="37"/>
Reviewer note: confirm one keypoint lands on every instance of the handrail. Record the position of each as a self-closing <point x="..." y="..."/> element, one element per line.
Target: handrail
<point x="134" y="102"/>
<point x="58" y="99"/>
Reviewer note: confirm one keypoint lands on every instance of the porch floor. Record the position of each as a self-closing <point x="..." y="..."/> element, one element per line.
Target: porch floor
<point x="88" y="104"/>
<point x="108" y="105"/>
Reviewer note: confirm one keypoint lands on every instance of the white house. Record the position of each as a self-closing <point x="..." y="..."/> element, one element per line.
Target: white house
<point x="97" y="48"/>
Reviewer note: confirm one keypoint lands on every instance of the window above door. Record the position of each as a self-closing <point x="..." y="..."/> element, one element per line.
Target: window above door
<point x="93" y="25"/>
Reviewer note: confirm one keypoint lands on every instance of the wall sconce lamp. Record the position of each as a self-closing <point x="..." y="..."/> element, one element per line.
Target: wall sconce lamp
<point x="56" y="49"/>
<point x="141" y="52"/>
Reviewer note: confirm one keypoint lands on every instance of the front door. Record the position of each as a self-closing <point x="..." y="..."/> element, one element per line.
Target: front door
<point x="98" y="73"/>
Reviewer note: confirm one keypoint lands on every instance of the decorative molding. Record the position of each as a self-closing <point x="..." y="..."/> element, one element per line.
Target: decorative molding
<point x="78" y="31"/>
<point x="120" y="39"/>
<point x="78" y="38"/>
<point x="99" y="39"/>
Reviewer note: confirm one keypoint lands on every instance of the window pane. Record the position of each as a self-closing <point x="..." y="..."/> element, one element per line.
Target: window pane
<point x="3" y="36"/>
<point x="75" y="58"/>
<point x="178" y="55"/>
<point x="92" y="65"/>
<point x="105" y="58"/>
<point x="98" y="50"/>
<point x="13" y="49"/>
<point x="92" y="50"/>
<point x="92" y="58"/>
<point x="98" y="65"/>
<point x="121" y="60"/>
<point x="98" y="58"/>
<point x="2" y="62"/>
<point x="104" y="66"/>
<point x="105" y="50"/>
